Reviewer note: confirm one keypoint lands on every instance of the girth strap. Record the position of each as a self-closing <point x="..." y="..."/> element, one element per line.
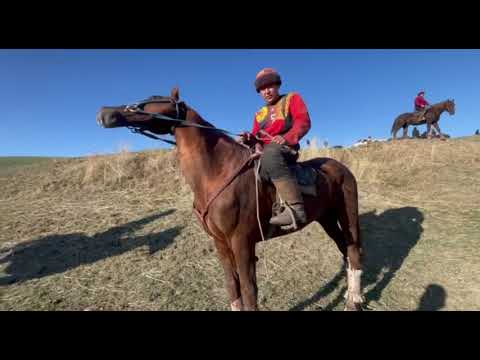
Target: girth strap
<point x="201" y="214"/>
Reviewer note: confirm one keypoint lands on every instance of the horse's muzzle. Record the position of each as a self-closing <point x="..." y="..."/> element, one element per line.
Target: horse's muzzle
<point x="109" y="118"/>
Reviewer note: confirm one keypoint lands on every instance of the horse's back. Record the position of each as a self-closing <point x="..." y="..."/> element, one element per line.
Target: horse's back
<point x="405" y="115"/>
<point x="333" y="169"/>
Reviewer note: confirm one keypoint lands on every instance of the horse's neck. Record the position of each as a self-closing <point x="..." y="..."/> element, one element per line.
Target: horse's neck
<point x="206" y="158"/>
<point x="439" y="107"/>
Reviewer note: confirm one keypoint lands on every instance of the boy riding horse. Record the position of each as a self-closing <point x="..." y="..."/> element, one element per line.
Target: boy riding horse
<point x="279" y="126"/>
<point x="421" y="105"/>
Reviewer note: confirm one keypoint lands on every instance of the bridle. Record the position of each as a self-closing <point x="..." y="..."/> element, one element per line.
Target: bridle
<point x="138" y="107"/>
<point x="179" y="120"/>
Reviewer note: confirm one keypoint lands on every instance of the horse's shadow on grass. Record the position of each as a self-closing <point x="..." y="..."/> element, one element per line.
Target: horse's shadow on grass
<point x="58" y="253"/>
<point x="387" y="240"/>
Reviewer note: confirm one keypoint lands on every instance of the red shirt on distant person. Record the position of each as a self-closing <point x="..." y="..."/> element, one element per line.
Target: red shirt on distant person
<point x="420" y="101"/>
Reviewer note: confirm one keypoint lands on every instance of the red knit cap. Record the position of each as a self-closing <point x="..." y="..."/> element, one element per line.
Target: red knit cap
<point x="267" y="76"/>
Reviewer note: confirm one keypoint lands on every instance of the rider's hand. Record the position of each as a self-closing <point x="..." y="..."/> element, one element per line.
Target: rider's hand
<point x="279" y="140"/>
<point x="245" y="137"/>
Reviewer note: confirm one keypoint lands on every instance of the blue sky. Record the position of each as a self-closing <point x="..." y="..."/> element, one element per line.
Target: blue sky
<point x="49" y="97"/>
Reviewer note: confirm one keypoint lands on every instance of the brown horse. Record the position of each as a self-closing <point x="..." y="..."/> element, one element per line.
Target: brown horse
<point x="432" y="116"/>
<point x="222" y="178"/>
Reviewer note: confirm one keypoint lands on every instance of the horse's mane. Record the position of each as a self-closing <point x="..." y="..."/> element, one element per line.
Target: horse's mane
<point x="212" y="136"/>
<point x="440" y="103"/>
<point x="157" y="97"/>
<point x="215" y="136"/>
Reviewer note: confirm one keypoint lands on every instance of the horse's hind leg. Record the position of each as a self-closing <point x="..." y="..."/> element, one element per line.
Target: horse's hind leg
<point x="405" y="131"/>
<point x="396" y="126"/>
<point x="394" y="132"/>
<point x="330" y="225"/>
<point x="349" y="222"/>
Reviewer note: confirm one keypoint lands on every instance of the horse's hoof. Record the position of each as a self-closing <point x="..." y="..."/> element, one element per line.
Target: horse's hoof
<point x="353" y="307"/>
<point x="237" y="305"/>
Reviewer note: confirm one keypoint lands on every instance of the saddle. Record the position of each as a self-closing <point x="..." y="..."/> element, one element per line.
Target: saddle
<point x="306" y="178"/>
<point x="306" y="175"/>
<point x="420" y="114"/>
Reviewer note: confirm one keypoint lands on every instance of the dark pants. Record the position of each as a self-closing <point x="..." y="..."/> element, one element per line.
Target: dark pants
<point x="275" y="161"/>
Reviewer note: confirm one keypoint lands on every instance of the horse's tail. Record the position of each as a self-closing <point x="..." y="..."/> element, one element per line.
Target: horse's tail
<point x="396" y="124"/>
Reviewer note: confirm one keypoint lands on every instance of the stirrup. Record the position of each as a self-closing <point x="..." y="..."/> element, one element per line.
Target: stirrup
<point x="293" y="225"/>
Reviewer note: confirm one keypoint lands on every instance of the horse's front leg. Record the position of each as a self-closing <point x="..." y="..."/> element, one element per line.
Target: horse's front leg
<point x="232" y="280"/>
<point x="245" y="259"/>
<point x="435" y="125"/>
<point x="429" y="130"/>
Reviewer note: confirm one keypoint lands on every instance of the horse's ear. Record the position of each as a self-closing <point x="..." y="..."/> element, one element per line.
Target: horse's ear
<point x="175" y="93"/>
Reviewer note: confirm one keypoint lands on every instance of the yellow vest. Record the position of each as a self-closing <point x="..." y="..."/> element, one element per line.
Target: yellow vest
<point x="281" y="108"/>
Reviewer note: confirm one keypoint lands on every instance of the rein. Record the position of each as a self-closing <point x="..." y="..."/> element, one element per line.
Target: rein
<point x="139" y="130"/>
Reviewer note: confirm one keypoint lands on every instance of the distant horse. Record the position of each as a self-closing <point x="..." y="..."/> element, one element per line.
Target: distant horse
<point x="221" y="175"/>
<point x="432" y="116"/>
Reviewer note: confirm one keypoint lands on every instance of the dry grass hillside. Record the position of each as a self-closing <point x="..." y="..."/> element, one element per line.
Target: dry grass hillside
<point x="117" y="233"/>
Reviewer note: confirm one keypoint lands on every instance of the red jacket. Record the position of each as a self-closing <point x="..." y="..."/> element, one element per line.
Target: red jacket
<point x="420" y="102"/>
<point x="271" y="120"/>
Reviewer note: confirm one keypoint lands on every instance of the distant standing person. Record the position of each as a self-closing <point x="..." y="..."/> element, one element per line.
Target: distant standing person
<point x="415" y="133"/>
